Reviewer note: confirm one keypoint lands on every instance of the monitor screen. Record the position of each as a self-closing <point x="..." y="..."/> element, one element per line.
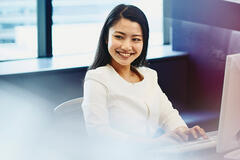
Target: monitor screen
<point x="229" y="123"/>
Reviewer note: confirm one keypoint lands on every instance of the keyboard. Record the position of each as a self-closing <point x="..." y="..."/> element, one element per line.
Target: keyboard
<point x="194" y="145"/>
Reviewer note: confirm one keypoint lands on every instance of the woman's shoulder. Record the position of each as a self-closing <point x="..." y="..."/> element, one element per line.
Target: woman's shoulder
<point x="147" y="71"/>
<point x="98" y="73"/>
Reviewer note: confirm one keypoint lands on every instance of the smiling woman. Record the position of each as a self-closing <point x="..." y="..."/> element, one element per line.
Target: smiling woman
<point x="125" y="42"/>
<point x="122" y="98"/>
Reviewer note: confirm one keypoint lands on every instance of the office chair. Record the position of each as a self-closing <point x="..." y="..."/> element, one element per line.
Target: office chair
<point x="69" y="116"/>
<point x="70" y="106"/>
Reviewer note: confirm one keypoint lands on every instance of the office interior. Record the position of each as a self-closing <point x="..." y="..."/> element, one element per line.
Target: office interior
<point x="203" y="34"/>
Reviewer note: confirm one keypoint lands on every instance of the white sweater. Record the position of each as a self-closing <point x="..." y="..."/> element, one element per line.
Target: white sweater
<point x="115" y="107"/>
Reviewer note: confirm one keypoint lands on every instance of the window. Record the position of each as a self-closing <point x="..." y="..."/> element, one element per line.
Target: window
<point x="18" y="34"/>
<point x="77" y="23"/>
<point x="75" y="30"/>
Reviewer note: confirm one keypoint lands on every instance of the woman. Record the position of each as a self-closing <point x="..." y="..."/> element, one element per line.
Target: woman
<point x="122" y="98"/>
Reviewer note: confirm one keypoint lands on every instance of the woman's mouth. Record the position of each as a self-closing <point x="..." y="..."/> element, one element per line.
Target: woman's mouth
<point x="123" y="54"/>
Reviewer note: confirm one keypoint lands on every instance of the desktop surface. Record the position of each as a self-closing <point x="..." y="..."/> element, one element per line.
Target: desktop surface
<point x="204" y="154"/>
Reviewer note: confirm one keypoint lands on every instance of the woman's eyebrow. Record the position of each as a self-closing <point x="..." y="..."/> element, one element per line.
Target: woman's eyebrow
<point x="137" y="35"/>
<point x="120" y="32"/>
<point x="134" y="35"/>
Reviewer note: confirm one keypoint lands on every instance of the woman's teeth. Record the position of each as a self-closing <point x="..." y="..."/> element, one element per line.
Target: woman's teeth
<point x="124" y="54"/>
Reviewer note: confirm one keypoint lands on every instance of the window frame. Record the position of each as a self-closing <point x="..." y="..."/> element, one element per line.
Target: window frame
<point x="44" y="28"/>
<point x="167" y="23"/>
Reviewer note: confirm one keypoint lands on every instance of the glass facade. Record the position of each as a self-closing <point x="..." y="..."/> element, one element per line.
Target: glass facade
<point x="18" y="34"/>
<point x="77" y="23"/>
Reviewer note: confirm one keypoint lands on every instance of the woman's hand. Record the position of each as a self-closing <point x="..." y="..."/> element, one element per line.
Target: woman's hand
<point x="183" y="134"/>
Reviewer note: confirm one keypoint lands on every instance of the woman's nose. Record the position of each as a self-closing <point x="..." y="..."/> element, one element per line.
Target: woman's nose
<point x="126" y="45"/>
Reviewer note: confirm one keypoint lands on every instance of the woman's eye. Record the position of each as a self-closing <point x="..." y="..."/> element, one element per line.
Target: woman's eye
<point x="118" y="37"/>
<point x="136" y="39"/>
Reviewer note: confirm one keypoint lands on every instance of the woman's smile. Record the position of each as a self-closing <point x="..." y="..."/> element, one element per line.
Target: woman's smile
<point x="124" y="55"/>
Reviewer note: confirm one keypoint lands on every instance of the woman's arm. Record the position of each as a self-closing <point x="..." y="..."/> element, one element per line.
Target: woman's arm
<point x="172" y="123"/>
<point x="96" y="112"/>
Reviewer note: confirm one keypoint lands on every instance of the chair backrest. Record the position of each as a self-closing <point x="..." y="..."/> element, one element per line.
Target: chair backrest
<point x="69" y="115"/>
<point x="70" y="106"/>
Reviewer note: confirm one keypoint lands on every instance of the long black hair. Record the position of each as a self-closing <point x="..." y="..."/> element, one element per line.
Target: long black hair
<point x="131" y="13"/>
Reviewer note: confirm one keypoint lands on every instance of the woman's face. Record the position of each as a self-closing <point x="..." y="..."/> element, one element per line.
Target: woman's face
<point x="125" y="42"/>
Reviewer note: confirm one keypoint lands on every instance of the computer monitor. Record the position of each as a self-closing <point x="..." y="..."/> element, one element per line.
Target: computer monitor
<point x="229" y="124"/>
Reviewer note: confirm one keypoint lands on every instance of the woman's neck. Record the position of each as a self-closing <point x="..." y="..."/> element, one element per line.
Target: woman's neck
<point x="127" y="72"/>
<point x="122" y="70"/>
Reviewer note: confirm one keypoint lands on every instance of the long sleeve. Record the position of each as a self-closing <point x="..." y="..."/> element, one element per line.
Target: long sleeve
<point x="169" y="118"/>
<point x="95" y="110"/>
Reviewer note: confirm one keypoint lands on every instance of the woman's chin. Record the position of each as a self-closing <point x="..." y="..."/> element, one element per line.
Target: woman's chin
<point x="124" y="63"/>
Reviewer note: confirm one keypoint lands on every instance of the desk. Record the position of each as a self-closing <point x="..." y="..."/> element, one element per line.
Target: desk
<point x="208" y="154"/>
